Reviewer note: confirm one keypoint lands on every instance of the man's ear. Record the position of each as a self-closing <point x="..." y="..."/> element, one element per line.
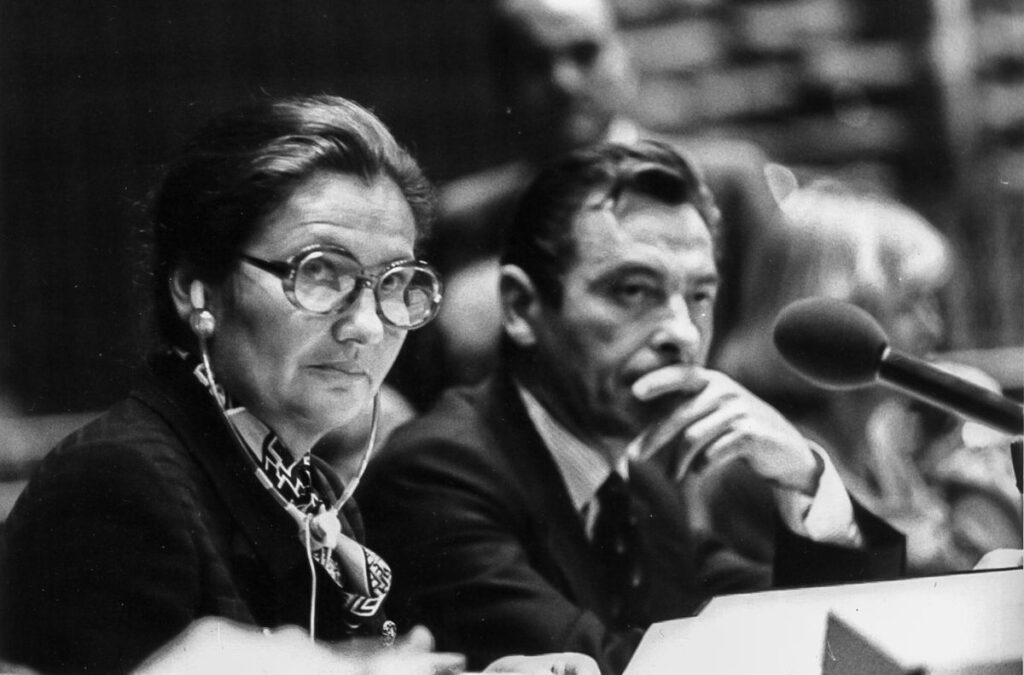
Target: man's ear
<point x="520" y="306"/>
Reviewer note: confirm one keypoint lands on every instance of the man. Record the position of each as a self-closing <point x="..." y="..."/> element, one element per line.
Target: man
<point x="566" y="81"/>
<point x="573" y="499"/>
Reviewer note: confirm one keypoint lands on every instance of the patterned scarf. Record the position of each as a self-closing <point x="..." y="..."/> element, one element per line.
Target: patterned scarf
<point x="362" y="577"/>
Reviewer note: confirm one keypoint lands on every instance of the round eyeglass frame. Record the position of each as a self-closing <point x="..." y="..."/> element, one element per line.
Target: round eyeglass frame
<point x="287" y="271"/>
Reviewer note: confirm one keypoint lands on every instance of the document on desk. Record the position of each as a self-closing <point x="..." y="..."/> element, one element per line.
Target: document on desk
<point x="968" y="622"/>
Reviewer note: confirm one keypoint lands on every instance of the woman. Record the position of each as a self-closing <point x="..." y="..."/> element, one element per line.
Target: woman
<point x="284" y="282"/>
<point x="893" y="454"/>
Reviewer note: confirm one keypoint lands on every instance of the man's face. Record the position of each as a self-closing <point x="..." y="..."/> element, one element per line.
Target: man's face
<point x="639" y="296"/>
<point x="568" y="72"/>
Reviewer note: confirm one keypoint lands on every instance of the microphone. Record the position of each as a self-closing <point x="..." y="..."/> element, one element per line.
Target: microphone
<point x="837" y="345"/>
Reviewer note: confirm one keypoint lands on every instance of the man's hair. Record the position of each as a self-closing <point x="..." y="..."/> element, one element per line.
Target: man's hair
<point x="540" y="239"/>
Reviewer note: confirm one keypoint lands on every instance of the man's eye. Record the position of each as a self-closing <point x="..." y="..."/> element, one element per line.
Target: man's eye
<point x="702" y="300"/>
<point x="585" y="53"/>
<point x="636" y="293"/>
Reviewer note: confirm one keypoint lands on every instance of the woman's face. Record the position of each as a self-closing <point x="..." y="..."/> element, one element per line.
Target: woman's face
<point x="304" y="374"/>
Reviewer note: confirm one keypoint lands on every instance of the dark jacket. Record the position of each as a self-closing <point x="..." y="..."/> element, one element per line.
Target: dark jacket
<point x="488" y="551"/>
<point x="144" y="520"/>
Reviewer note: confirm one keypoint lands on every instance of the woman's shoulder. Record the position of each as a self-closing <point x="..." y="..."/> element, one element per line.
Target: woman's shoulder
<point x="129" y="429"/>
<point x="126" y="450"/>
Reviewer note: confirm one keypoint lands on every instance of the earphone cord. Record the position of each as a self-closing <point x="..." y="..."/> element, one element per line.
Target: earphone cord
<point x="305" y="520"/>
<point x="312" y="579"/>
<point x="354" y="483"/>
<point x="345" y="496"/>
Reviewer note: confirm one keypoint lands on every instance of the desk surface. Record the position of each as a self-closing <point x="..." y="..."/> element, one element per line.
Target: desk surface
<point x="936" y="621"/>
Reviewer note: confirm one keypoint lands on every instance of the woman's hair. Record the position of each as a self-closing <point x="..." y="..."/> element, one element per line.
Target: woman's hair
<point x="244" y="164"/>
<point x="829" y="241"/>
<point x="541" y="238"/>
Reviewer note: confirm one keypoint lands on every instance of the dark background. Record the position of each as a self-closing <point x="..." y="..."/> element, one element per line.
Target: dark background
<point x="97" y="94"/>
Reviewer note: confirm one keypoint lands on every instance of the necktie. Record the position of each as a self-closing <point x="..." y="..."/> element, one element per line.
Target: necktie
<point x="613" y="545"/>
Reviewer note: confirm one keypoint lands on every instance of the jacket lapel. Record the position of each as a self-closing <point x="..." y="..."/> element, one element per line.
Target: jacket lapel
<point x="176" y="396"/>
<point x="547" y="498"/>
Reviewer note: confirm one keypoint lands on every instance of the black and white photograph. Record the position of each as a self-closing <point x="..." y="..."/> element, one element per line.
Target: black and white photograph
<point x="585" y="337"/>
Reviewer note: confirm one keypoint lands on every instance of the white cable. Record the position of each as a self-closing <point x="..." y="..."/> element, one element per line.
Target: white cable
<point x="308" y="518"/>
<point x="354" y="483"/>
<point x="312" y="578"/>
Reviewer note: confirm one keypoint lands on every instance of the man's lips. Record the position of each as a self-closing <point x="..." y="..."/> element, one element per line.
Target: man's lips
<point x="349" y="369"/>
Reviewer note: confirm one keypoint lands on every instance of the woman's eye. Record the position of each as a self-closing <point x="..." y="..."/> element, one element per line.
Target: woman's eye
<point x="393" y="283"/>
<point x="321" y="271"/>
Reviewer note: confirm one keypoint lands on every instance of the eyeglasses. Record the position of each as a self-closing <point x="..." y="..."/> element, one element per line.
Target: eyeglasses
<point x="327" y="280"/>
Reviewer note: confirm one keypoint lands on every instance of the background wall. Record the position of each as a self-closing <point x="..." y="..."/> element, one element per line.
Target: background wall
<point x="97" y="94"/>
<point x="924" y="97"/>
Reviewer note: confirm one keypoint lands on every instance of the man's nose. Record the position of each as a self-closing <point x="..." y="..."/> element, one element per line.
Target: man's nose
<point x="565" y="75"/>
<point x="677" y="335"/>
<point x="359" y="323"/>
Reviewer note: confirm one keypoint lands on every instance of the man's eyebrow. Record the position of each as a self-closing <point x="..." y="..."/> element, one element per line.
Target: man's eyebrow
<point x="632" y="267"/>
<point x="707" y="278"/>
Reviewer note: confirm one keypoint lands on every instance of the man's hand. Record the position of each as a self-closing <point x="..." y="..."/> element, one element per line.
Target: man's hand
<point x="722" y="421"/>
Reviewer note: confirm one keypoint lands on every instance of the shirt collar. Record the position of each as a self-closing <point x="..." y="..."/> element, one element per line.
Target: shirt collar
<point x="583" y="468"/>
<point x="623" y="130"/>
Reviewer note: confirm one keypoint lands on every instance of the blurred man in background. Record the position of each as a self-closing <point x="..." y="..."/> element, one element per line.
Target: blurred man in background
<point x="566" y="81"/>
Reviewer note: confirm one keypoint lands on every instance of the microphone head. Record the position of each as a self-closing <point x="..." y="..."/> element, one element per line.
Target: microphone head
<point x="832" y="343"/>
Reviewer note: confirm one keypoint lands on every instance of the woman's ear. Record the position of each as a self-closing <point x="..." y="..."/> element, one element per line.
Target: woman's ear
<point x="180" y="283"/>
<point x="520" y="306"/>
<point x="189" y="293"/>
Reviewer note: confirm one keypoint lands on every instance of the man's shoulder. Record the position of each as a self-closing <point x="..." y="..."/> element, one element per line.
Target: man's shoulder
<point x="459" y="418"/>
<point x="466" y="433"/>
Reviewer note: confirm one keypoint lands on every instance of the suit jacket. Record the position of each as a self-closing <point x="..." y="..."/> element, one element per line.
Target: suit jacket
<point x="489" y="552"/>
<point x="144" y="520"/>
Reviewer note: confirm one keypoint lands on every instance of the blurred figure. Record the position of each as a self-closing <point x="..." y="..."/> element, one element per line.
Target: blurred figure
<point x="948" y="485"/>
<point x="566" y="81"/>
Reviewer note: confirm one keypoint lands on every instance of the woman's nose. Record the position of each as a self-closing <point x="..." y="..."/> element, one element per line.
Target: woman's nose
<point x="360" y="322"/>
<point x="677" y="336"/>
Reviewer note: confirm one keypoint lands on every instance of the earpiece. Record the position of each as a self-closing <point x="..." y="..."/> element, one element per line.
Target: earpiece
<point x="197" y="294"/>
<point x="200" y="320"/>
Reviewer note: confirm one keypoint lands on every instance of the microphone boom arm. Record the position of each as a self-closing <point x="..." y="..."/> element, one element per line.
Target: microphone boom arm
<point x="924" y="381"/>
